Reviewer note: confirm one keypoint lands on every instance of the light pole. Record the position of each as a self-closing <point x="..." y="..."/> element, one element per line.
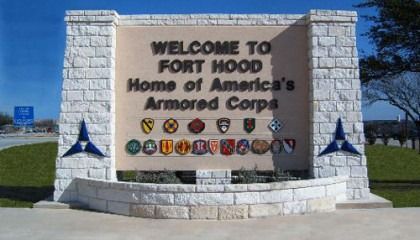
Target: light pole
<point x="406" y="129"/>
<point x="418" y="131"/>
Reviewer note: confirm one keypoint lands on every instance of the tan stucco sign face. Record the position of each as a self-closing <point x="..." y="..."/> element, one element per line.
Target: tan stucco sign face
<point x="205" y="94"/>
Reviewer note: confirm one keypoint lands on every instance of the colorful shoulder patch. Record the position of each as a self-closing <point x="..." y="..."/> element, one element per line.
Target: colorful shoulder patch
<point x="276" y="146"/>
<point x="183" y="147"/>
<point x="196" y="126"/>
<point x="213" y="146"/>
<point x="149" y="147"/>
<point x="199" y="147"/>
<point x="249" y="124"/>
<point x="133" y="147"/>
<point x="260" y="146"/>
<point x="227" y="146"/>
<point x="166" y="146"/>
<point x="275" y="125"/>
<point x="170" y="125"/>
<point x="289" y="145"/>
<point x="223" y="124"/>
<point x="242" y="147"/>
<point x="147" y="125"/>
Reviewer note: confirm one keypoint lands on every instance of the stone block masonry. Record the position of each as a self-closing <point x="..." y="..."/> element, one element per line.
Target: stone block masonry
<point x="335" y="92"/>
<point x="207" y="177"/>
<point x="88" y="93"/>
<point x="223" y="202"/>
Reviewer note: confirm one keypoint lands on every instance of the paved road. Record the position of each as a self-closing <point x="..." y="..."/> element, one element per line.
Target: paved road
<point x="6" y="142"/>
<point x="381" y="224"/>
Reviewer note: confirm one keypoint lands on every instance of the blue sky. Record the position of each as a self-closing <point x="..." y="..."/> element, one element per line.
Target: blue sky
<point x="32" y="42"/>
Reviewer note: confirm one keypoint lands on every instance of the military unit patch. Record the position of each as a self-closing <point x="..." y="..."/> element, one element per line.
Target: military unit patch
<point x="275" y="125"/>
<point x="227" y="146"/>
<point x="183" y="147"/>
<point x="213" y="146"/>
<point x="276" y="146"/>
<point x="133" y="147"/>
<point x="199" y="147"/>
<point x="149" y="147"/>
<point x="249" y="124"/>
<point x="166" y="146"/>
<point x="196" y="126"/>
<point x="242" y="147"/>
<point x="260" y="146"/>
<point x="223" y="124"/>
<point x="147" y="125"/>
<point x="289" y="145"/>
<point x="170" y="125"/>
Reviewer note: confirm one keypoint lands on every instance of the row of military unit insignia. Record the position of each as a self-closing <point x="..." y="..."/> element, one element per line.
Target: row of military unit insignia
<point x="213" y="146"/>
<point x="197" y="125"/>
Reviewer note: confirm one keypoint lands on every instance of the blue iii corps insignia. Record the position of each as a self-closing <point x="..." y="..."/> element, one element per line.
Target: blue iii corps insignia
<point x="149" y="147"/>
<point x="339" y="142"/>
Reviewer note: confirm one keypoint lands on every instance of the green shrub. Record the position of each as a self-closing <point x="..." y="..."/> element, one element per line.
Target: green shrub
<point x="245" y="176"/>
<point x="280" y="175"/>
<point x="165" y="177"/>
<point x="248" y="176"/>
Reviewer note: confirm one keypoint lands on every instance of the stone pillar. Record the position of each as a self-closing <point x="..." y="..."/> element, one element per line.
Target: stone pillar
<point x="335" y="93"/>
<point x="87" y="93"/>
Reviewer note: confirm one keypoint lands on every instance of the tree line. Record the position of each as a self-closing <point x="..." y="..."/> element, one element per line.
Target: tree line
<point x="7" y="119"/>
<point x="392" y="72"/>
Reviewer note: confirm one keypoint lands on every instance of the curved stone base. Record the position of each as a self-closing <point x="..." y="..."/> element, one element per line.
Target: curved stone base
<point x="223" y="202"/>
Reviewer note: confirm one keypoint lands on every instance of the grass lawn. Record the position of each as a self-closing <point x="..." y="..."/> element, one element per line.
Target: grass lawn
<point x="6" y="202"/>
<point x="394" y="174"/>
<point x="392" y="164"/>
<point x="400" y="197"/>
<point x="27" y="174"/>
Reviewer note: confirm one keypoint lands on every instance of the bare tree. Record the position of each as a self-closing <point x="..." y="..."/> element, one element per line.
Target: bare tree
<point x="401" y="91"/>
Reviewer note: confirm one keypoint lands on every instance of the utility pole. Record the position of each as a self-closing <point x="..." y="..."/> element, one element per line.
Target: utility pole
<point x="406" y="130"/>
<point x="418" y="131"/>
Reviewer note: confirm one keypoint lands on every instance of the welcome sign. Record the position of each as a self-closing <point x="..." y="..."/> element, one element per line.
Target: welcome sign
<point x="210" y="93"/>
<point x="211" y="97"/>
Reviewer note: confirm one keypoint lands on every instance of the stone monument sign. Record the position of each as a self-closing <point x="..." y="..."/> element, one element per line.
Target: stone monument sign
<point x="210" y="93"/>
